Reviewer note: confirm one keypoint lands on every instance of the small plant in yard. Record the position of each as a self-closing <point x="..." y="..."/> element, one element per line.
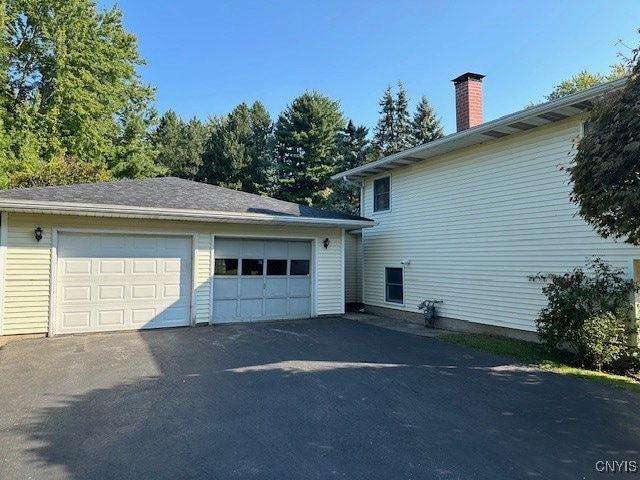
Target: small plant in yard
<point x="589" y="311"/>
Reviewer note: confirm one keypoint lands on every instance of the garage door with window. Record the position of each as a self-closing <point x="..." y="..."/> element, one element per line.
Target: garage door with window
<point x="122" y="282"/>
<point x="261" y="280"/>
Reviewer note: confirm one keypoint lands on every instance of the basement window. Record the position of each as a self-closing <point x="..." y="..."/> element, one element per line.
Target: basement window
<point x="393" y="287"/>
<point x="381" y="194"/>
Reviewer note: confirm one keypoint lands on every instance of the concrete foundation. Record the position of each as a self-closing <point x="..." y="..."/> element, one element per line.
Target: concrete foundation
<point x="453" y="324"/>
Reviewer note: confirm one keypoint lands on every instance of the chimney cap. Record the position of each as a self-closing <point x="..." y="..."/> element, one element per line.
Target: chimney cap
<point x="467" y="76"/>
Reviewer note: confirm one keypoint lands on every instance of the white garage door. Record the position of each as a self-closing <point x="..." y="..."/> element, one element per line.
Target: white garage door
<point x="261" y="280"/>
<point x="122" y="282"/>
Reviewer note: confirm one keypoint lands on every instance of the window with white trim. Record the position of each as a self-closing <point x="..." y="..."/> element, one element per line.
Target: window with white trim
<point x="393" y="286"/>
<point x="381" y="194"/>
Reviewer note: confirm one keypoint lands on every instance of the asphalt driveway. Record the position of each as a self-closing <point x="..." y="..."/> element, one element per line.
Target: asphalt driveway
<point x="319" y="399"/>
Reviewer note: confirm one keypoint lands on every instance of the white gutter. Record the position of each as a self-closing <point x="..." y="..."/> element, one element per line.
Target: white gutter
<point x="94" y="210"/>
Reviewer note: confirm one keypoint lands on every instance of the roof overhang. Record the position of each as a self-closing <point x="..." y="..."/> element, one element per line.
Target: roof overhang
<point x="120" y="211"/>
<point x="537" y="116"/>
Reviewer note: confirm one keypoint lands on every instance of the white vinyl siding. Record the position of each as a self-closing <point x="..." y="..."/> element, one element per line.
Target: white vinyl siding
<point x="28" y="263"/>
<point x="353" y="268"/>
<point x="475" y="223"/>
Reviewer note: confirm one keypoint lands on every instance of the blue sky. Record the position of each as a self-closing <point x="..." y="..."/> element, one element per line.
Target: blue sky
<point x="205" y="57"/>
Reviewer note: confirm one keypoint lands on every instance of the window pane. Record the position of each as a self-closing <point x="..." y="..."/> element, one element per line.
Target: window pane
<point x="381" y="194"/>
<point x="226" y="266"/>
<point x="299" y="267"/>
<point x="252" y="266"/>
<point x="394" y="275"/>
<point x="394" y="293"/>
<point x="382" y="185"/>
<point x="276" y="267"/>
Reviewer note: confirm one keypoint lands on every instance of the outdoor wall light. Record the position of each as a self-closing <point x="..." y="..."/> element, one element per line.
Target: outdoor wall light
<point x="38" y="234"/>
<point x="326" y="243"/>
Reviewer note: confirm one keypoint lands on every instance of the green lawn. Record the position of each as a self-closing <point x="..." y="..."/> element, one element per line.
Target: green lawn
<point x="537" y="355"/>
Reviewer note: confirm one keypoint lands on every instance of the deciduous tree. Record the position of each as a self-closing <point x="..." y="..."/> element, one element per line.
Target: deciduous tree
<point x="605" y="173"/>
<point x="71" y="87"/>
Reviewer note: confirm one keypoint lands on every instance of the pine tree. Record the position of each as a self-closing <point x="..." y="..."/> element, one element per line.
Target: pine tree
<point x="237" y="153"/>
<point x="305" y="147"/>
<point x="393" y="130"/>
<point x="425" y="125"/>
<point x="403" y="138"/>
<point x="180" y="145"/>
<point x="353" y="148"/>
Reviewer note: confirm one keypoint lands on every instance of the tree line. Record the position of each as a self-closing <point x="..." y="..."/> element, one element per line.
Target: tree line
<point x="293" y="156"/>
<point x="74" y="109"/>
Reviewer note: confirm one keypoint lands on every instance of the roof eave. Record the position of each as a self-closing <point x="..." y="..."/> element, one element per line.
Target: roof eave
<point x="477" y="134"/>
<point x="119" y="211"/>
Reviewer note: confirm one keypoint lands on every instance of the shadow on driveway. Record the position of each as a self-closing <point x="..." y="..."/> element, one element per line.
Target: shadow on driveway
<point x="326" y="398"/>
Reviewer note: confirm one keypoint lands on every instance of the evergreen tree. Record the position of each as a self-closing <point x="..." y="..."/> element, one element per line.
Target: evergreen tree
<point x="352" y="150"/>
<point x="237" y="154"/>
<point x="71" y="88"/>
<point x="393" y="130"/>
<point x="305" y="148"/>
<point x="179" y="145"/>
<point x="425" y="125"/>
<point x="403" y="138"/>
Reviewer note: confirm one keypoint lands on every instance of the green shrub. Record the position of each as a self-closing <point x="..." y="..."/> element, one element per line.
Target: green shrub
<point x="588" y="311"/>
<point x="603" y="339"/>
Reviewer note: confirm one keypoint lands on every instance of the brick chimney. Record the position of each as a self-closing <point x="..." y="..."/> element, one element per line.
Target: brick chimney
<point x="468" y="100"/>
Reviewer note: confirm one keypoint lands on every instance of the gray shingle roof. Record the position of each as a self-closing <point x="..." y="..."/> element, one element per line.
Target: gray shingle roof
<point x="172" y="194"/>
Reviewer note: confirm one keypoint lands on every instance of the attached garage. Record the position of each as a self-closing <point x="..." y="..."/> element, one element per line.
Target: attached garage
<point x="261" y="280"/>
<point x="108" y="282"/>
<point x="164" y="252"/>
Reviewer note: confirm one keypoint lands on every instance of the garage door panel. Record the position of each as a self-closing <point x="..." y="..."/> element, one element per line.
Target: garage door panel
<point x="300" y="287"/>
<point x="76" y="294"/>
<point x="106" y="267"/>
<point x="144" y="292"/>
<point x="144" y="267"/>
<point x="225" y="288"/>
<point x="145" y="244"/>
<point x="77" y="267"/>
<point x="251" y="287"/>
<point x="110" y="292"/>
<point x="135" y="282"/>
<point x="274" y="307"/>
<point x="225" y="309"/>
<point x="76" y="319"/>
<point x="276" y="287"/>
<point x="110" y="318"/>
<point x="299" y="306"/>
<point x="252" y="249"/>
<point x="172" y="266"/>
<point x="111" y="242"/>
<point x="143" y="316"/>
<point x="173" y="292"/>
<point x="251" y="309"/>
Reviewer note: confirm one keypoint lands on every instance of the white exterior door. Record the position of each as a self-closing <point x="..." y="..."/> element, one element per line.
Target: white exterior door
<point x="261" y="280"/>
<point x="122" y="282"/>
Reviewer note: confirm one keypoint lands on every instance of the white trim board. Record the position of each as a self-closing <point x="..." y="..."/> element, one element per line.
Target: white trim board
<point x="4" y="219"/>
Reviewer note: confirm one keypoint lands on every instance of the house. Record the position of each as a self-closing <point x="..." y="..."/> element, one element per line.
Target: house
<point x="467" y="218"/>
<point x="163" y="252"/>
